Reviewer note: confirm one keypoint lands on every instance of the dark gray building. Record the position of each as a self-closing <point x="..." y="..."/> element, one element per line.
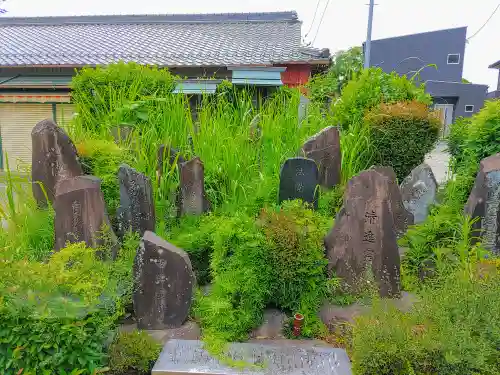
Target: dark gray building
<point x="495" y="94"/>
<point x="435" y="58"/>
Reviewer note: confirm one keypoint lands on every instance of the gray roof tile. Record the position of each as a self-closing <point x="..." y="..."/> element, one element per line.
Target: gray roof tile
<point x="165" y="40"/>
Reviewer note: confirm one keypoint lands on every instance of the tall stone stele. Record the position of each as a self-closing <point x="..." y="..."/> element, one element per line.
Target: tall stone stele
<point x="137" y="209"/>
<point x="81" y="214"/>
<point x="484" y="203"/>
<point x="419" y="192"/>
<point x="192" y="198"/>
<point x="362" y="246"/>
<point x="324" y="149"/>
<point x="401" y="216"/>
<point x="54" y="158"/>
<point x="163" y="284"/>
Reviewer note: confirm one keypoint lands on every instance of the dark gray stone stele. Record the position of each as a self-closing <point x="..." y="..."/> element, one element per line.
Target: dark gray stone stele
<point x="419" y="192"/>
<point x="166" y="157"/>
<point x="363" y="239"/>
<point x="402" y="217"/>
<point x="189" y="357"/>
<point x="324" y="149"/>
<point x="137" y="209"/>
<point x="54" y="158"/>
<point x="192" y="199"/>
<point x="484" y="203"/>
<point x="80" y="213"/>
<point x="298" y="180"/>
<point x="163" y="284"/>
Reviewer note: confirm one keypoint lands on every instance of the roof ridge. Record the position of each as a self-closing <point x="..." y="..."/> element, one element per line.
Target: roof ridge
<point x="289" y="16"/>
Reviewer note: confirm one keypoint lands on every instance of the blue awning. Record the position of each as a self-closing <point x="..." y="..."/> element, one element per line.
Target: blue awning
<point x="196" y="87"/>
<point x="257" y="76"/>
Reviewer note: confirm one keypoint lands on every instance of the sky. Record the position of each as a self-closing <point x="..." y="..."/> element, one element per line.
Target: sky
<point x="343" y="23"/>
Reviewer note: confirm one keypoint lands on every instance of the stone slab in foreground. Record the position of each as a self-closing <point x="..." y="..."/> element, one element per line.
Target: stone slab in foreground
<point x="188" y="357"/>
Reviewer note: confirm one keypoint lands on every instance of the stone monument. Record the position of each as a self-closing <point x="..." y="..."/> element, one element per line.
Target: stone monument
<point x="299" y="180"/>
<point x="419" y="192"/>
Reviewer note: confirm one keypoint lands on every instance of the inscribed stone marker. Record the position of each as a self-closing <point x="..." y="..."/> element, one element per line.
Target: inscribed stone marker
<point x="324" y="149"/>
<point x="189" y="357"/>
<point x="54" y="157"/>
<point x="419" y="191"/>
<point x="484" y="203"/>
<point x="163" y="284"/>
<point x="81" y="214"/>
<point x="192" y="199"/>
<point x="137" y="210"/>
<point x="298" y="180"/>
<point x="402" y="217"/>
<point x="363" y="241"/>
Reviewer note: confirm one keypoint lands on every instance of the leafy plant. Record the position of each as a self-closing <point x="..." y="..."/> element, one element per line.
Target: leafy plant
<point x="402" y="134"/>
<point x="134" y="350"/>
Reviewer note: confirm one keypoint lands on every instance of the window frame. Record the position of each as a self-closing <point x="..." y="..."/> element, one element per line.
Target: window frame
<point x="453" y="63"/>
<point x="469" y="105"/>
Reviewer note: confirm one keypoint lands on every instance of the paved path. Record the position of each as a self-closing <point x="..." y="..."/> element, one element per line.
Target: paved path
<point x="439" y="161"/>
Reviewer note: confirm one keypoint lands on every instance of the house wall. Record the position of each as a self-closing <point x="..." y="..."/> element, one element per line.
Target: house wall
<point x="412" y="53"/>
<point x="463" y="94"/>
<point x="296" y="75"/>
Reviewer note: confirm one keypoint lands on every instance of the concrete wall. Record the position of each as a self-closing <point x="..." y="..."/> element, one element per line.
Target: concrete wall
<point x="408" y="54"/>
<point x="462" y="94"/>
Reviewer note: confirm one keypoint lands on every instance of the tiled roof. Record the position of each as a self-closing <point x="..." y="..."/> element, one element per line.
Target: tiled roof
<point x="165" y="40"/>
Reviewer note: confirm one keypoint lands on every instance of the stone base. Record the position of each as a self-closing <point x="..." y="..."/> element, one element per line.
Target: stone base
<point x="189" y="331"/>
<point x="188" y="357"/>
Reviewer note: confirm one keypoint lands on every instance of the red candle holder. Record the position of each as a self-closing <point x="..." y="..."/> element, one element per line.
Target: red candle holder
<point x="298" y="319"/>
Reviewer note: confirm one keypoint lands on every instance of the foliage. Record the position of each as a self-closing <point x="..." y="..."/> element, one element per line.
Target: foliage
<point x="369" y="90"/>
<point x="98" y="92"/>
<point x="134" y="350"/>
<point x="345" y="66"/>
<point x="402" y="134"/>
<point x="453" y="329"/>
<point x="57" y="316"/>
<point x="475" y="139"/>
<point x="275" y="259"/>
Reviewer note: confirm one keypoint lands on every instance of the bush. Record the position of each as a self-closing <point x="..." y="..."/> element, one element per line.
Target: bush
<point x="372" y="88"/>
<point x="402" y="134"/>
<point x="454" y="329"/>
<point x="98" y="92"/>
<point x="477" y="138"/>
<point x="134" y="350"/>
<point x="57" y="316"/>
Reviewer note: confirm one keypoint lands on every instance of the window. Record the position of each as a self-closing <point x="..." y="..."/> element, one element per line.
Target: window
<point x="469" y="108"/>
<point x="454" y="58"/>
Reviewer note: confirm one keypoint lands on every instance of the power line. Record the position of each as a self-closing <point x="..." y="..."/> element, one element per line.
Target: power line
<point x="321" y="20"/>
<point x="484" y="25"/>
<point x="314" y="19"/>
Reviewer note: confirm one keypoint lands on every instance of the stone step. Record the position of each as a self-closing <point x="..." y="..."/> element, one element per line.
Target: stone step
<point x="288" y="358"/>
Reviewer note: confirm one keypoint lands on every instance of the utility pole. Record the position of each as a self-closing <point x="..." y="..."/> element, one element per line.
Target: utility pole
<point x="368" y="44"/>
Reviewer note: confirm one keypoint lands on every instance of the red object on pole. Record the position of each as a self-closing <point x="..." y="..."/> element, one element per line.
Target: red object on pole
<point x="297" y="324"/>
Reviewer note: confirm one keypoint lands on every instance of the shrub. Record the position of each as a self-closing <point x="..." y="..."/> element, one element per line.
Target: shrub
<point x="371" y="88"/>
<point x="57" y="316"/>
<point x="98" y="92"/>
<point x="477" y="138"/>
<point x="134" y="350"/>
<point x="453" y="329"/>
<point x="402" y="134"/>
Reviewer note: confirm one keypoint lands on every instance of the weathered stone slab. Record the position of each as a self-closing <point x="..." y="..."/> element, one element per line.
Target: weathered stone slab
<point x="189" y="357"/>
<point x="402" y="217"/>
<point x="484" y="203"/>
<point x="192" y="199"/>
<point x="298" y="180"/>
<point x="419" y="192"/>
<point x="137" y="209"/>
<point x="362" y="245"/>
<point x="81" y="214"/>
<point x="167" y="156"/>
<point x="54" y="158"/>
<point x="324" y="149"/>
<point x="163" y="284"/>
